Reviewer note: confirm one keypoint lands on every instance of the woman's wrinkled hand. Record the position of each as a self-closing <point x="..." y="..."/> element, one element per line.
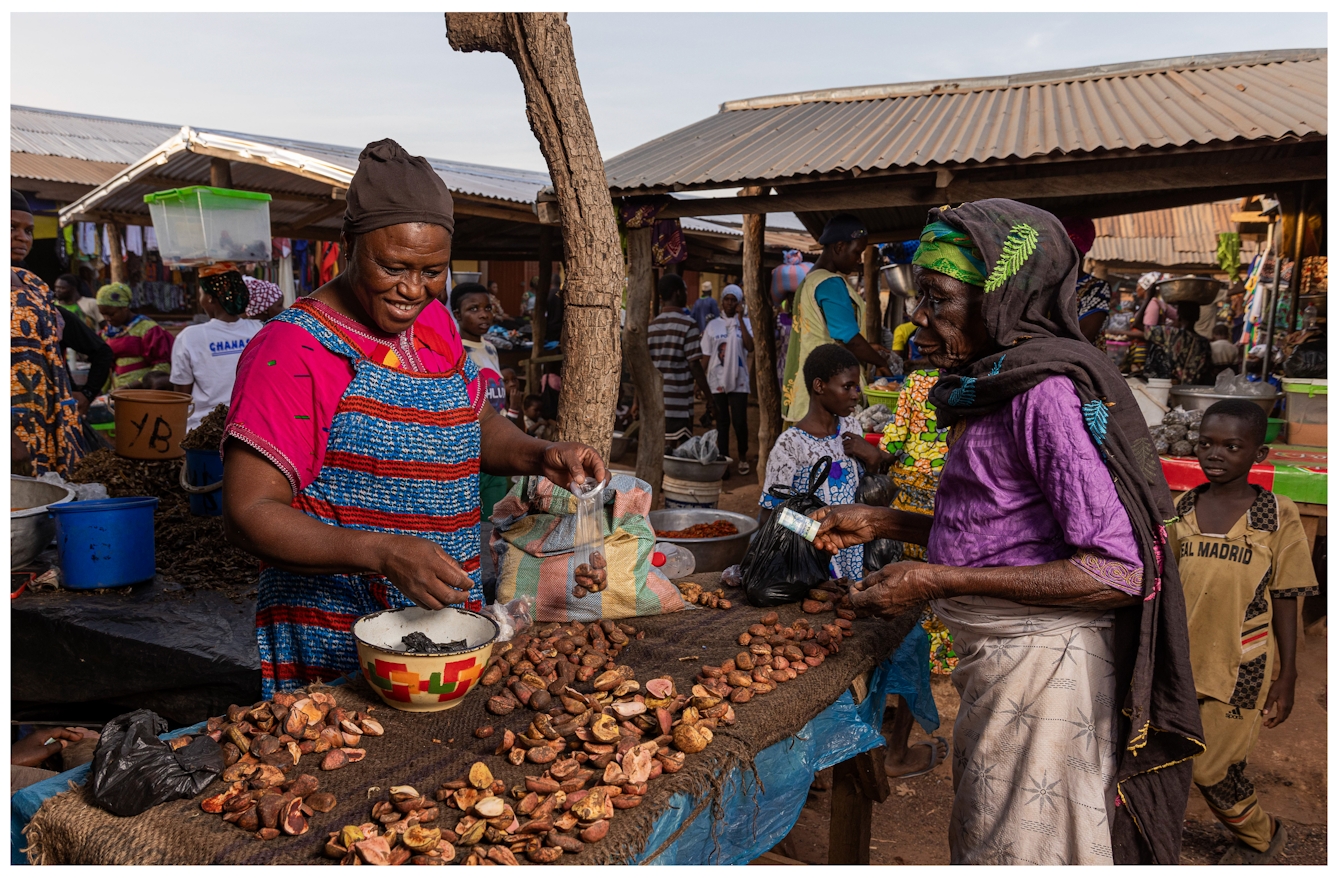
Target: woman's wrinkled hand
<point x="567" y="463"/>
<point x="891" y="591"/>
<point x="423" y="571"/>
<point x="844" y="526"/>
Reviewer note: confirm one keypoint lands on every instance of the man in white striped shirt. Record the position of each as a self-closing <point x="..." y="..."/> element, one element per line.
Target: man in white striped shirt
<point x="675" y="348"/>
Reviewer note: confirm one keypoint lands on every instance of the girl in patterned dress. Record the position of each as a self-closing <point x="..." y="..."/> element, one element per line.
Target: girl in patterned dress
<point x="356" y="433"/>
<point x="827" y="430"/>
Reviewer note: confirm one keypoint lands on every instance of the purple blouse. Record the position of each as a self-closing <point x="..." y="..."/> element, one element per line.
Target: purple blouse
<point x="1025" y="486"/>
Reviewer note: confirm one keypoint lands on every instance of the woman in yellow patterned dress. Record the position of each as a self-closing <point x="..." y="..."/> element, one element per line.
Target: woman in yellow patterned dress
<point x="918" y="448"/>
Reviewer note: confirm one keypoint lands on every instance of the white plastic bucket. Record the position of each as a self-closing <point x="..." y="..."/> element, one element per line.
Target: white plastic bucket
<point x="682" y="494"/>
<point x="1151" y="398"/>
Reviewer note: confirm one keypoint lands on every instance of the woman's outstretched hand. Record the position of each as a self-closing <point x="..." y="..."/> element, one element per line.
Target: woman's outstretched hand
<point x="844" y="526"/>
<point x="890" y="591"/>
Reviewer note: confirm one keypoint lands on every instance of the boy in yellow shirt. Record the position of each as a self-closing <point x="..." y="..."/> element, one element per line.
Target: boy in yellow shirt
<point x="1244" y="560"/>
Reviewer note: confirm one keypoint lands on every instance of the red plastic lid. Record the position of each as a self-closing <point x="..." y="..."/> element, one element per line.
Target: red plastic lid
<point x="658" y="559"/>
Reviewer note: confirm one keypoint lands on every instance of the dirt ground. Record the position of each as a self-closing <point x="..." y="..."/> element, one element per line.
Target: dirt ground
<point x="1289" y="766"/>
<point x="1289" y="769"/>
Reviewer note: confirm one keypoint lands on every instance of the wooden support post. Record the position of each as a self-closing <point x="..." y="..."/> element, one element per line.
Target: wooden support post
<point x="220" y="173"/>
<point x="757" y="297"/>
<point x="856" y="784"/>
<point x="636" y="352"/>
<point x="539" y="316"/>
<point x="117" y="263"/>
<point x="873" y="317"/>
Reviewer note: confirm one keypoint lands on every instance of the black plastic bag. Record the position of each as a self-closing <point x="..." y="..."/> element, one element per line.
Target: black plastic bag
<point x="876" y="489"/>
<point x="781" y="567"/>
<point x="1309" y="360"/>
<point x="882" y="552"/>
<point x="133" y="770"/>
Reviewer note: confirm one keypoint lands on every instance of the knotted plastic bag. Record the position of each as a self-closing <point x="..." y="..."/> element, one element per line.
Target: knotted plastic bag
<point x="704" y="448"/>
<point x="781" y="567"/>
<point x="591" y="571"/>
<point x="133" y="770"/>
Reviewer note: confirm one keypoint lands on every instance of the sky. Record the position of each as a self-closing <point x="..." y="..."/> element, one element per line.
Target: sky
<point x="350" y="78"/>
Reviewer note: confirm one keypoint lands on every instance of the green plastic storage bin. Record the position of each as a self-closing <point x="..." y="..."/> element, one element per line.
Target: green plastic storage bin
<point x="198" y="225"/>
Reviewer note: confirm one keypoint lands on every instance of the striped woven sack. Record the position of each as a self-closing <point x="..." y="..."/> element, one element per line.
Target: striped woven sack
<point x="533" y="536"/>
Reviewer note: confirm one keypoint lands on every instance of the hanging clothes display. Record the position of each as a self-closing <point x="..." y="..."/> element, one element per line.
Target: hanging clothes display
<point x="301" y="258"/>
<point x="134" y="240"/>
<point x="329" y="262"/>
<point x="87" y="234"/>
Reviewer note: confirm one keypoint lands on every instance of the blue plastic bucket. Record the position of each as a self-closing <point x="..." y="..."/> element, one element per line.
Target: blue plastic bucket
<point x="204" y="467"/>
<point x="105" y="543"/>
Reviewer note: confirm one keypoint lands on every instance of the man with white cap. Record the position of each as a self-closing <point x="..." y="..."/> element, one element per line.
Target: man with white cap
<point x="725" y="342"/>
<point x="705" y="309"/>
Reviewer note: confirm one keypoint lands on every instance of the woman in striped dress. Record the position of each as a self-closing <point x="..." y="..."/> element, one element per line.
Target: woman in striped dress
<point x="356" y="432"/>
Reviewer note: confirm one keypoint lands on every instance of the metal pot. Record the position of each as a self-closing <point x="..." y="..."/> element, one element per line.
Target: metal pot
<point x="690" y="470"/>
<point x="1198" y="397"/>
<point x="31" y="527"/>
<point x="1203" y="290"/>
<point x="900" y="281"/>
<point x="713" y="554"/>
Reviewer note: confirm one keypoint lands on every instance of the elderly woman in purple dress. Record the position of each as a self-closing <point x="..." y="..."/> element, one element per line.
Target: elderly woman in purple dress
<point x="1046" y="557"/>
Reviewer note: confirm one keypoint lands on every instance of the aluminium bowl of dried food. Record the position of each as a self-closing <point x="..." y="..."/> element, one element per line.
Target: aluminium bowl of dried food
<point x="427" y="680"/>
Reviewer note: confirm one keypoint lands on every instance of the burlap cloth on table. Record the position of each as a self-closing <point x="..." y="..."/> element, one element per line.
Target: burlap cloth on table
<point x="69" y="829"/>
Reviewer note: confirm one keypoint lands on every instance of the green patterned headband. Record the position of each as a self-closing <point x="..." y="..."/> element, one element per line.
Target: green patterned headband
<point x="949" y="251"/>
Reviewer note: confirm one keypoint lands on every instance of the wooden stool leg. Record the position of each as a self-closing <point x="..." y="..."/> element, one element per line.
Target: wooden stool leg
<point x="856" y="784"/>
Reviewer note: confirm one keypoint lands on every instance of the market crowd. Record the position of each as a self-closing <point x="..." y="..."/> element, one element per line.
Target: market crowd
<point x="1086" y="616"/>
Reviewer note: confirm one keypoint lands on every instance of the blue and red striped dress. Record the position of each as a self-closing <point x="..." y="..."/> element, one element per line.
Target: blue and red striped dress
<point x="397" y="451"/>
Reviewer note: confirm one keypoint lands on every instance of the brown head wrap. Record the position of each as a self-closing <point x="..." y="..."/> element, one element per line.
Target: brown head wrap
<point x="392" y="187"/>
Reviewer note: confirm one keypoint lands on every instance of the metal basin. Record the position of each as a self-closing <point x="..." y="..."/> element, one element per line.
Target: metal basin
<point x="31" y="527"/>
<point x="1203" y="290"/>
<point x="694" y="470"/>
<point x="900" y="279"/>
<point x="713" y="554"/>
<point x="1198" y="397"/>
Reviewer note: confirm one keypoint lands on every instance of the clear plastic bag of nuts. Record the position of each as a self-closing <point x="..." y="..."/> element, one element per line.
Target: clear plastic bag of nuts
<point x="589" y="565"/>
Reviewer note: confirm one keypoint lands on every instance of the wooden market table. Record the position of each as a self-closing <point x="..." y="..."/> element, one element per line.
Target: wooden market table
<point x="730" y="803"/>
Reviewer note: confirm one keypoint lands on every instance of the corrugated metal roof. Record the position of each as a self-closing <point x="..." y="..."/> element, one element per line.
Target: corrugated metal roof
<point x="1179" y="236"/>
<point x="78" y="136"/>
<point x="1256" y="96"/>
<point x="97" y="138"/>
<point x="59" y="169"/>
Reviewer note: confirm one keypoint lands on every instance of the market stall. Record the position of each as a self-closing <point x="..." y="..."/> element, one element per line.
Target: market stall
<point x="730" y="801"/>
<point x="1295" y="471"/>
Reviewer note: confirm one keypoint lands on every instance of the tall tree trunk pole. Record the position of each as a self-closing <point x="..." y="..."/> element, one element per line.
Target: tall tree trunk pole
<point x="873" y="317"/>
<point x="540" y="46"/>
<point x="636" y="351"/>
<point x="758" y="298"/>
<point x="539" y="316"/>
